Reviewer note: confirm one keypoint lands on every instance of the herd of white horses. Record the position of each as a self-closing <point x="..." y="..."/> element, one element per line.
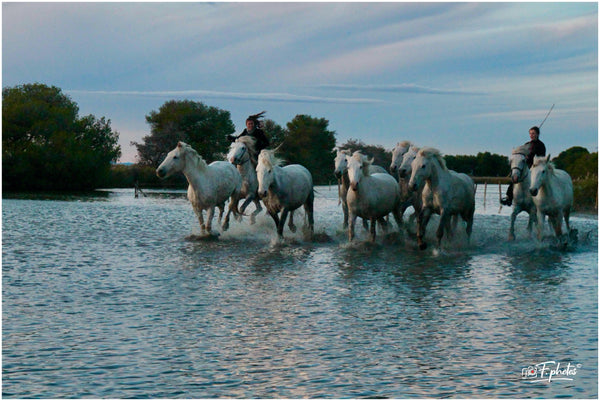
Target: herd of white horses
<point x="417" y="178"/>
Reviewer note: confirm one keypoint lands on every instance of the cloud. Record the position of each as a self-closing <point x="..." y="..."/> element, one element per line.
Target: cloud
<point x="273" y="97"/>
<point x="399" y="88"/>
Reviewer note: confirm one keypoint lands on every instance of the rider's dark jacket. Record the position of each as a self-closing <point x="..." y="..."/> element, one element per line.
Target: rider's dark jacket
<point x="536" y="148"/>
<point x="262" y="141"/>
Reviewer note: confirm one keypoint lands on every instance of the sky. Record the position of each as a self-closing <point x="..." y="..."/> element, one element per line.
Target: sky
<point x="461" y="77"/>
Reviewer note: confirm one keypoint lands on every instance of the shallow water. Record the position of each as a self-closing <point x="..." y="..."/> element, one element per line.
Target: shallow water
<point x="112" y="297"/>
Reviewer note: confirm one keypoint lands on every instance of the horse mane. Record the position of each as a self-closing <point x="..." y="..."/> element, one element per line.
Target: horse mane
<point x="249" y="141"/>
<point x="432" y="153"/>
<point x="346" y="152"/>
<point x="364" y="159"/>
<point x="521" y="150"/>
<point x="196" y="159"/>
<point x="268" y="159"/>
<point x="537" y="160"/>
<point x="404" y="144"/>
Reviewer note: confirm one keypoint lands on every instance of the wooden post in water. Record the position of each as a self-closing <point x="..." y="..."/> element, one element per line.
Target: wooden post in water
<point x="484" y="194"/>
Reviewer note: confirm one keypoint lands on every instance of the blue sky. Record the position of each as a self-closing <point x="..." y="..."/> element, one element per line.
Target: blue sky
<point x="462" y="77"/>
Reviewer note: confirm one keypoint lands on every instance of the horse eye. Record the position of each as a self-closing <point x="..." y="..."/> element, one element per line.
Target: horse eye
<point x="175" y="157"/>
<point x="423" y="166"/>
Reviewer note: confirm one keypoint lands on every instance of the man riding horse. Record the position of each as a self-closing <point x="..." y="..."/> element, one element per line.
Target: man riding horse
<point x="253" y="129"/>
<point x="536" y="148"/>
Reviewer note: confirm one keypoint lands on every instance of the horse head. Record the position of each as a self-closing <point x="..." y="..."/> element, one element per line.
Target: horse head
<point x="518" y="163"/>
<point x="265" y="171"/>
<point x="423" y="167"/>
<point x="174" y="162"/>
<point x="241" y="150"/>
<point x="341" y="165"/>
<point x="358" y="167"/>
<point x="405" y="170"/>
<point x="397" y="153"/>
<point x="540" y="170"/>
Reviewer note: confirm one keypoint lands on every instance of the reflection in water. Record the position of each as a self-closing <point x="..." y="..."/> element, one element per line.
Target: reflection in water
<point x="110" y="300"/>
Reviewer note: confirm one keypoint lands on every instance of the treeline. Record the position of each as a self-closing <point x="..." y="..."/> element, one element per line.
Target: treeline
<point x="47" y="145"/>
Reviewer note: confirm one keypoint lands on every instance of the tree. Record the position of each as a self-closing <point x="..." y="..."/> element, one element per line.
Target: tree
<point x="484" y="164"/>
<point x="204" y="128"/>
<point x="381" y="157"/>
<point x="45" y="145"/>
<point x="275" y="133"/>
<point x="308" y="142"/>
<point x="568" y="157"/>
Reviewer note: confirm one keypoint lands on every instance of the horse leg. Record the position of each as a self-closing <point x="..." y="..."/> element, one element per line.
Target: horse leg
<point x="225" y="225"/>
<point x="511" y="232"/>
<point x="566" y="214"/>
<point x="557" y="223"/>
<point x="257" y="211"/>
<point x="373" y="222"/>
<point x="540" y="228"/>
<point x="284" y="214"/>
<point x="345" y="210"/>
<point x="210" y="213"/>
<point x="365" y="224"/>
<point x="384" y="224"/>
<point x="422" y="221"/>
<point x="291" y="222"/>
<point x="309" y="210"/>
<point x="221" y="210"/>
<point x="469" y="219"/>
<point x="444" y="221"/>
<point x="200" y="220"/>
<point x="398" y="217"/>
<point x="351" y="223"/>
<point x="246" y="203"/>
<point x="275" y="218"/>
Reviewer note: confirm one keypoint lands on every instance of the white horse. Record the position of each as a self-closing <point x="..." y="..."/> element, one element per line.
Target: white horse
<point x="408" y="196"/>
<point x="448" y="193"/>
<point x="341" y="173"/>
<point x="371" y="195"/>
<point x="521" y="179"/>
<point x="240" y="155"/>
<point x="397" y="154"/>
<point x="552" y="192"/>
<point x="284" y="189"/>
<point x="209" y="185"/>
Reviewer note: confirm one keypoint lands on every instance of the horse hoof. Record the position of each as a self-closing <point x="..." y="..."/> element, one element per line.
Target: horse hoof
<point x="423" y="246"/>
<point x="252" y="220"/>
<point x="511" y="237"/>
<point x="293" y="229"/>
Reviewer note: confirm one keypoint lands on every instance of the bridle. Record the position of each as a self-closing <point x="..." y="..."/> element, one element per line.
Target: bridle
<point x="519" y="169"/>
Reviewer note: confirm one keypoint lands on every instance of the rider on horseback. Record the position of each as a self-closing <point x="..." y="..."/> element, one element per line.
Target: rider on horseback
<point x="536" y="148"/>
<point x="253" y="129"/>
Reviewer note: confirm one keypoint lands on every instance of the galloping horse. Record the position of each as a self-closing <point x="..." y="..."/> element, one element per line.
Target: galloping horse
<point x="209" y="185"/>
<point x="522" y="200"/>
<point x="447" y="193"/>
<point x="409" y="197"/>
<point x="371" y="196"/>
<point x="341" y="173"/>
<point x="240" y="155"/>
<point x="284" y="189"/>
<point x="552" y="192"/>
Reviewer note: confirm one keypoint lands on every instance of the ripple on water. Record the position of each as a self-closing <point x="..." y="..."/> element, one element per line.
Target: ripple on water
<point x="117" y="298"/>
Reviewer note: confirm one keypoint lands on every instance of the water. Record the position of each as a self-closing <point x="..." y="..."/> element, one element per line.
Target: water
<point x="109" y="297"/>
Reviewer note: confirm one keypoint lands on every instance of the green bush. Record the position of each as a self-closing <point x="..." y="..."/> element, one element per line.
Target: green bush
<point x="585" y="194"/>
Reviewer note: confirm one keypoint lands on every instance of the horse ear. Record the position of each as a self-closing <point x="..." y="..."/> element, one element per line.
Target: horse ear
<point x="548" y="157"/>
<point x="179" y="144"/>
